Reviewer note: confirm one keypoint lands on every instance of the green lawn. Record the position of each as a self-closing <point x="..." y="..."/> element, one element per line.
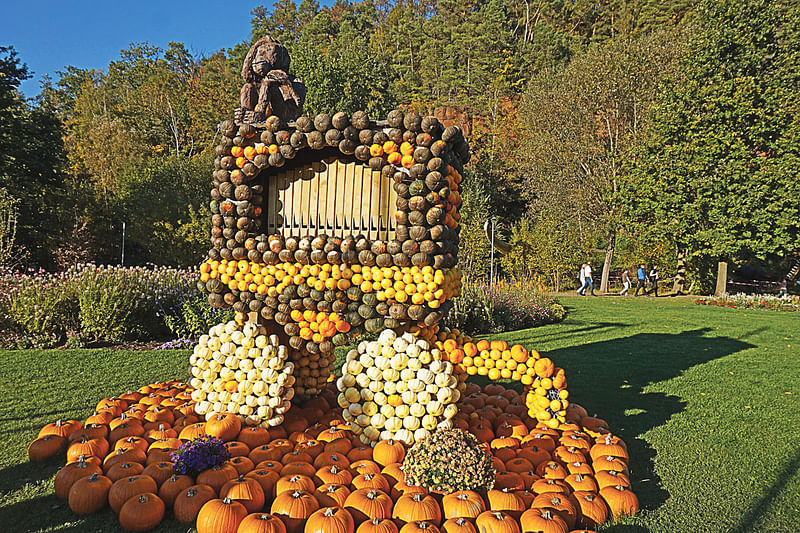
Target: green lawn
<point x="706" y="398"/>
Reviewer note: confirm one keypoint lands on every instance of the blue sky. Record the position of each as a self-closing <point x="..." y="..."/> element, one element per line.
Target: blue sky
<point x="49" y="34"/>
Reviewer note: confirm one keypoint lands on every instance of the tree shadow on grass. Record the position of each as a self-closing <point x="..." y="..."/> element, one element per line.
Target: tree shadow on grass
<point x="523" y="335"/>
<point x="14" y="477"/>
<point x="46" y="512"/>
<point x="609" y="377"/>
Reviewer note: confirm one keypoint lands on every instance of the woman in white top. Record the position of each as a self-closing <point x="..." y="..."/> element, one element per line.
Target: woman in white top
<point x="582" y="279"/>
<point x="626" y="283"/>
<point x="587" y="275"/>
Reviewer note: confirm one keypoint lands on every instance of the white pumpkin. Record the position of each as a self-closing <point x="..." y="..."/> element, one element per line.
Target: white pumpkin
<point x="377" y="420"/>
<point x="421" y="433"/>
<point x="417" y="410"/>
<point x="411" y="423"/>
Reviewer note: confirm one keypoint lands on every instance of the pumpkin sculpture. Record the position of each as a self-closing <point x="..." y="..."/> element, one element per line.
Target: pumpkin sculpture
<point x="324" y="228"/>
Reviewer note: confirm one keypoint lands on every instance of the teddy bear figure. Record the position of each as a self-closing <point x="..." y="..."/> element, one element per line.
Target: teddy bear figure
<point x="268" y="87"/>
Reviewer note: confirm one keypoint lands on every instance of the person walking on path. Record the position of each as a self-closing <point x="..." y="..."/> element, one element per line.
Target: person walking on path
<point x="641" y="275"/>
<point x="588" y="277"/>
<point x="654" y="280"/>
<point x="582" y="279"/>
<point x="626" y="283"/>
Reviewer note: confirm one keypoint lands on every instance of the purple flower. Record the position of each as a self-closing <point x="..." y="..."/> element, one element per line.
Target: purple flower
<point x="199" y="454"/>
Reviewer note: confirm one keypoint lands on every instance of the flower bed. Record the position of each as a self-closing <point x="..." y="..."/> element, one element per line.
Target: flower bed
<point x="91" y="303"/>
<point x="506" y="306"/>
<point x="753" y="301"/>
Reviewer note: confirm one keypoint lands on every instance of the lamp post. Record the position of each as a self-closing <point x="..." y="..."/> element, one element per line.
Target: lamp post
<point x="491" y="254"/>
<point x="122" y="260"/>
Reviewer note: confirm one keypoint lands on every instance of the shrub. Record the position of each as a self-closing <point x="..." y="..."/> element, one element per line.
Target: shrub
<point x="90" y="302"/>
<point x="199" y="454"/>
<point x="449" y="460"/>
<point x="39" y="303"/>
<point x="507" y="306"/>
<point x="192" y="316"/>
<point x="123" y="303"/>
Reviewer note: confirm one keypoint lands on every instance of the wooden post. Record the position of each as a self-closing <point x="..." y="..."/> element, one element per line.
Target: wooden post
<point x="722" y="278"/>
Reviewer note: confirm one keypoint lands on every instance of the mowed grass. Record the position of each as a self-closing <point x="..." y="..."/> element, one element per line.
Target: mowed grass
<point x="706" y="398"/>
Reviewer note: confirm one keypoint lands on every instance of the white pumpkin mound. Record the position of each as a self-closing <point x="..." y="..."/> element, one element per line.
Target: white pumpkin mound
<point x="398" y="387"/>
<point x="240" y="369"/>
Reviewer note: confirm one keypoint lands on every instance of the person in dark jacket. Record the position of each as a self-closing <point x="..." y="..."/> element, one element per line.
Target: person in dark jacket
<point x="654" y="280"/>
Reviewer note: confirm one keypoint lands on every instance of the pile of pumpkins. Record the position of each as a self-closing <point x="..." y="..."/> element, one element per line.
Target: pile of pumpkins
<point x="312" y="473"/>
<point x="399" y="387"/>
<point x="242" y="370"/>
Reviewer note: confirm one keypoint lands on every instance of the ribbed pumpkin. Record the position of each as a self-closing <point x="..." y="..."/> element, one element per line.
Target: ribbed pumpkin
<point x="331" y="494"/>
<point x="189" y="501"/>
<point x="261" y="523"/>
<point x="121" y="470"/>
<point x="560" y="504"/>
<point x="193" y="431"/>
<point x="89" y="494"/>
<point x="61" y="428"/>
<point x="611" y="478"/>
<point x="463" y="504"/>
<point x="225" y="426"/>
<point x="142" y="512"/>
<point x="294" y="482"/>
<point x="621" y="500"/>
<point x="550" y="485"/>
<point x="506" y="500"/>
<point x="254" y="436"/>
<point x="97" y="447"/>
<point x="90" y="431"/>
<point x="217" y="476"/>
<point x="173" y="486"/>
<point x="365" y="504"/>
<point x="294" y="508"/>
<point x="388" y="451"/>
<point x="242" y="464"/>
<point x="71" y="473"/>
<point x="417" y="507"/>
<point x="160" y="472"/>
<point x="377" y="525"/>
<point x="458" y="525"/>
<point x="420" y="526"/>
<point x="543" y="520"/>
<point x="334" y="475"/>
<point x="128" y="487"/>
<point x="302" y="468"/>
<point x="366" y="466"/>
<point x="592" y="508"/>
<point x="266" y="478"/>
<point x="246" y="491"/>
<point x="497" y="522"/>
<point x="220" y="516"/>
<point x="124" y="455"/>
<point x="43" y="448"/>
<point x="236" y="448"/>
<point x="371" y="481"/>
<point x="330" y="520"/>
